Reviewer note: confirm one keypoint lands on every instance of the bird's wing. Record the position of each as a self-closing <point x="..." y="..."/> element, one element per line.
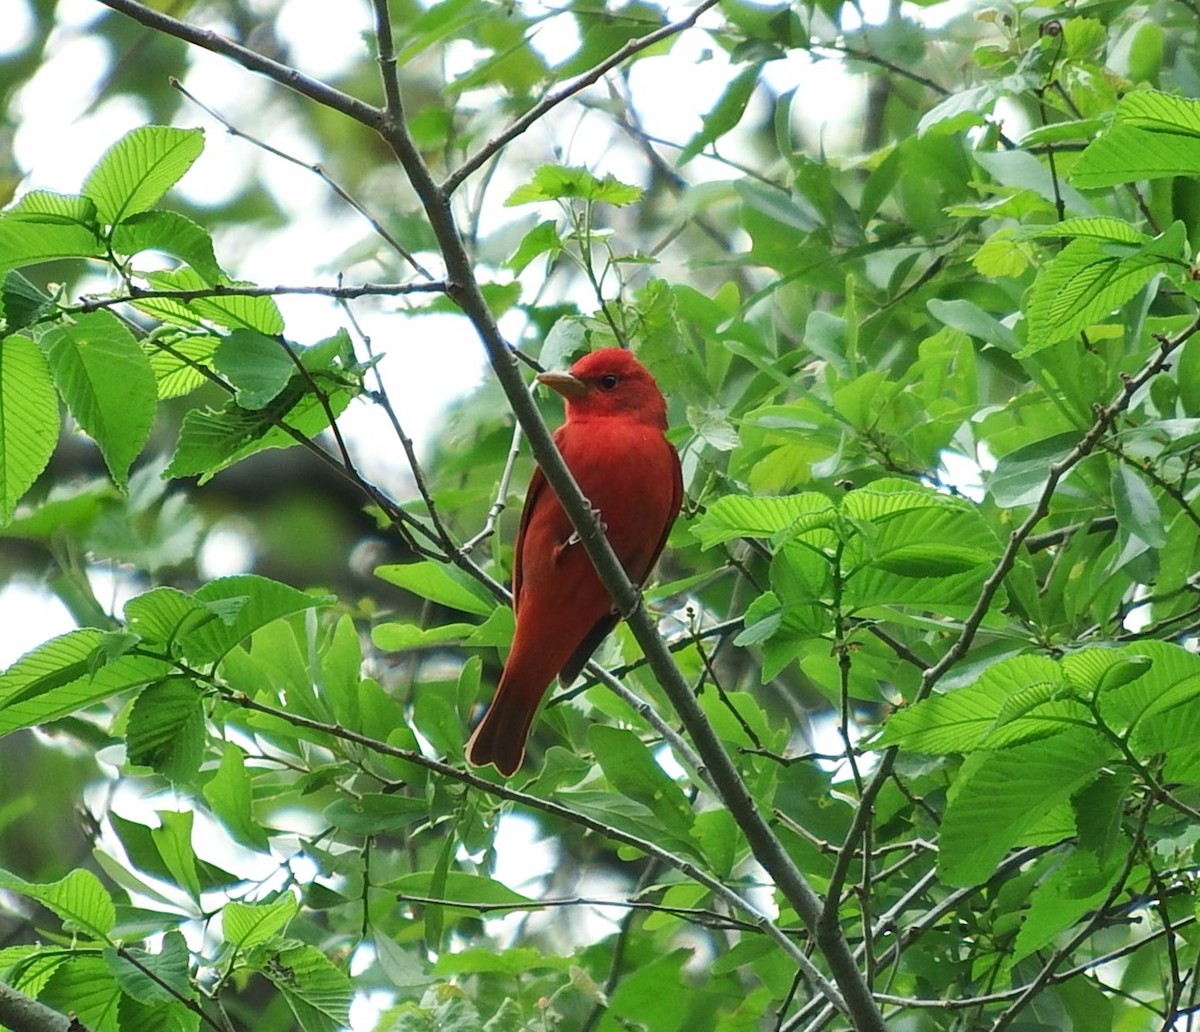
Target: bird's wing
<point x="537" y="487"/>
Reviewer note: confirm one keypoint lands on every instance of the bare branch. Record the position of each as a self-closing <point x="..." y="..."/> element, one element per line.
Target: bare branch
<point x="89" y="303"/>
<point x="251" y="60"/>
<point x="552" y="100"/>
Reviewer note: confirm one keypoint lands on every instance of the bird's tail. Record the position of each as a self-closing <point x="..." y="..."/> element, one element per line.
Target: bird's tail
<point x="501" y="735"/>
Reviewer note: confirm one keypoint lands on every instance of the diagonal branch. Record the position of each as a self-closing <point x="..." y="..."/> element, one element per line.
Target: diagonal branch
<point x="552" y="100"/>
<point x="252" y="60"/>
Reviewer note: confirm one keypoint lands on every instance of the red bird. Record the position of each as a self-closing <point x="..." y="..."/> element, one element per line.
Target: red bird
<point x="613" y="444"/>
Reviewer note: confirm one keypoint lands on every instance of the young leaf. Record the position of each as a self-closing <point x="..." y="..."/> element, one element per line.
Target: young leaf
<point x="246" y="925"/>
<point x="563" y="182"/>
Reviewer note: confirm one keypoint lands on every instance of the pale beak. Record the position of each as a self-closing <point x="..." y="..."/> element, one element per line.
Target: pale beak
<point x="564" y="383"/>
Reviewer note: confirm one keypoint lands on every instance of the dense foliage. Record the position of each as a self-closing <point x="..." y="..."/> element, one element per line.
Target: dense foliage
<point x="907" y="730"/>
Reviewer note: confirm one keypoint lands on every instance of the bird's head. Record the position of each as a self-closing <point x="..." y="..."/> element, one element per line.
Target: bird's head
<point x="610" y="382"/>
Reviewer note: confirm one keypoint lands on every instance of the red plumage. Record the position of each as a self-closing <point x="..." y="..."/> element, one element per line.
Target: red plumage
<point x="613" y="444"/>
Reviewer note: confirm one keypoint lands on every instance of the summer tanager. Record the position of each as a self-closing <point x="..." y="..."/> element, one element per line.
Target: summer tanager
<point x="613" y="444"/>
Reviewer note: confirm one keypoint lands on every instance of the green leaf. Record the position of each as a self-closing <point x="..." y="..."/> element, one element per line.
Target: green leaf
<point x="542" y="239"/>
<point x="61" y="677"/>
<point x="45" y="227"/>
<point x="233" y="311"/>
<point x="230" y="794"/>
<point x="1084" y="284"/>
<point x="958" y="721"/>
<point x="735" y="516"/>
<point x="139" y="168"/>
<point x="439" y="583"/>
<point x="470" y="890"/>
<point x="246" y="925"/>
<point x="1152" y="135"/>
<point x="999" y="796"/>
<point x="162" y="614"/>
<point x="155" y="977"/>
<point x="1136" y="507"/>
<point x="376" y="813"/>
<point x="177" y="359"/>
<point x="169" y="233"/>
<point x="725" y="114"/>
<point x="28" y="419"/>
<point x="108" y="384"/>
<point x="564" y="182"/>
<point x="318" y="993"/>
<point x="632" y="771"/>
<point x="258" y="602"/>
<point x="211" y="440"/>
<point x="21" y="302"/>
<point x="173" y="840"/>
<point x="166" y="729"/>
<point x="79" y="899"/>
<point x="257" y="365"/>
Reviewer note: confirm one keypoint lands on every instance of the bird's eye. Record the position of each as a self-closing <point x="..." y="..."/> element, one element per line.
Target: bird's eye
<point x="608" y="381"/>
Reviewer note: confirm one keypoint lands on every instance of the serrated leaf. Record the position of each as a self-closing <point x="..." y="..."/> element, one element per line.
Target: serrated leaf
<point x="28" y="419"/>
<point x="169" y="233"/>
<point x="44" y="227"/>
<point x="60" y="677"/>
<point x="138" y="169"/>
<point x="260" y="601"/>
<point x="79" y="899"/>
<point x="246" y="925"/>
<point x="564" y="182"/>
<point x="1153" y="135"/>
<point x="1082" y="285"/>
<point x="735" y="516"/>
<point x="999" y="796"/>
<point x="108" y="384"/>
<point x="160" y="615"/>
<point x="177" y="359"/>
<point x="166" y="729"/>
<point x="211" y="440"/>
<point x="318" y="993"/>
<point x="232" y="311"/>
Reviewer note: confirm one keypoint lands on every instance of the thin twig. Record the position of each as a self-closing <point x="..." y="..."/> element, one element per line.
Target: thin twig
<point x="88" y="303"/>
<point x="319" y="171"/>
<point x="453" y="181"/>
